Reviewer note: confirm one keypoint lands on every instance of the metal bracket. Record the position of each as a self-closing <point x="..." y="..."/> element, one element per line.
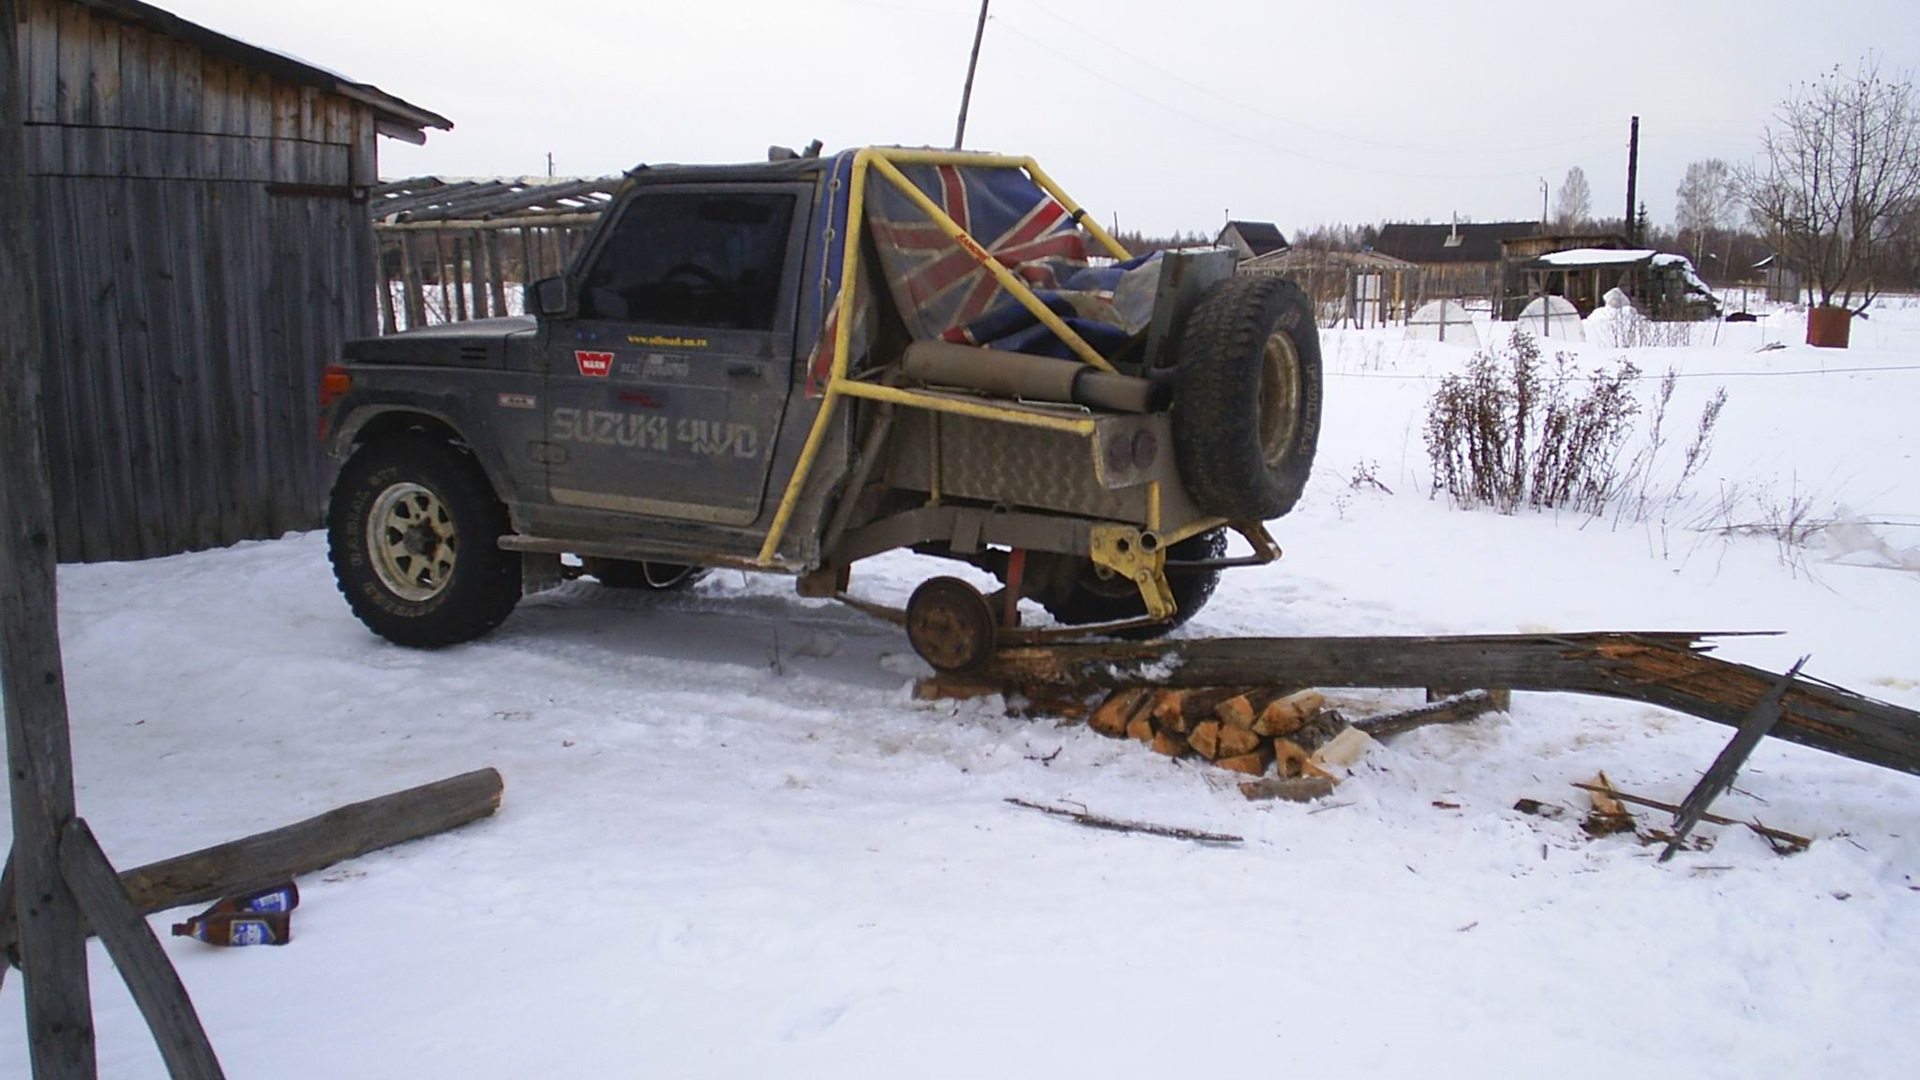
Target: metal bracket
<point x="1719" y="776"/>
<point x="1138" y="557"/>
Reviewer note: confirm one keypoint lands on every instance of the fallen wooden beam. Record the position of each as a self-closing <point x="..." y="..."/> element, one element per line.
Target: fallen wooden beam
<point x="267" y="858"/>
<point x="1454" y="710"/>
<point x="1666" y="669"/>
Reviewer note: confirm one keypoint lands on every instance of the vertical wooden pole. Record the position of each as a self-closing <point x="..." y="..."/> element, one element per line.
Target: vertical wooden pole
<point x="39" y="753"/>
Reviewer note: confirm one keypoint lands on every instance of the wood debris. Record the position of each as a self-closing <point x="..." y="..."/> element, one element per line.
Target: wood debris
<point x="1101" y="821"/>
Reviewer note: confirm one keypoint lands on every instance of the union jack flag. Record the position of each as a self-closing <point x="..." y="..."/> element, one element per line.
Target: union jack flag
<point x="937" y="285"/>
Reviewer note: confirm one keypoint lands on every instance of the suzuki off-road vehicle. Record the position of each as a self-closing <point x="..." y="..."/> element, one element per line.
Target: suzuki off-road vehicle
<point x="798" y="364"/>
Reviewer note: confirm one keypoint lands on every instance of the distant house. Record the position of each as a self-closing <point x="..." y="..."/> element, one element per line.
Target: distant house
<point x="1518" y="287"/>
<point x="1358" y="288"/>
<point x="1460" y="260"/>
<point x="198" y="206"/>
<point x="1252" y="239"/>
<point x="1661" y="285"/>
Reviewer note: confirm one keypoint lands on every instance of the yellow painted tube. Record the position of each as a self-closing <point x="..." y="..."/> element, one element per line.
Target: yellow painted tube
<point x="1007" y="279"/>
<point x="837" y="372"/>
<point x="1084" y="219"/>
<point x="963" y="407"/>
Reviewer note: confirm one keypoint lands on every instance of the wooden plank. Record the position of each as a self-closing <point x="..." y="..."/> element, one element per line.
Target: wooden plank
<point x="56" y="408"/>
<point x="187" y="408"/>
<point x="135" y="109"/>
<point x="143" y="964"/>
<point x="1666" y="669"/>
<point x="249" y="248"/>
<point x="71" y="100"/>
<point x="39" y="53"/>
<point x="496" y="272"/>
<point x="147" y="293"/>
<point x="311" y="845"/>
<point x="103" y="78"/>
<point x="59" y="1021"/>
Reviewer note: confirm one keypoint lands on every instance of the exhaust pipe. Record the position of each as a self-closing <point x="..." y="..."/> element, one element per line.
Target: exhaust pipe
<point x="1035" y="378"/>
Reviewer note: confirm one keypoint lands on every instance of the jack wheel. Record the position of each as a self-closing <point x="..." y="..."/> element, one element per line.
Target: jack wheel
<point x="950" y="624"/>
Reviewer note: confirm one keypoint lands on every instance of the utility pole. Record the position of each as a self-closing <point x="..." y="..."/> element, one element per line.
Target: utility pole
<point x="1543" y="204"/>
<point x="966" y="92"/>
<point x="1633" y="178"/>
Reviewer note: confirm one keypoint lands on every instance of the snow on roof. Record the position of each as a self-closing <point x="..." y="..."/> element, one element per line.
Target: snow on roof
<point x="1597" y="256"/>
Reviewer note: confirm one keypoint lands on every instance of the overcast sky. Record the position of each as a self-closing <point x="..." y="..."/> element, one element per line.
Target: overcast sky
<point x="1165" y="114"/>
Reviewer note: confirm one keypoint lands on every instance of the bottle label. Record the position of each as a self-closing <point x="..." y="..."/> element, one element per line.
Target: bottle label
<point x="249" y="932"/>
<point x="276" y="900"/>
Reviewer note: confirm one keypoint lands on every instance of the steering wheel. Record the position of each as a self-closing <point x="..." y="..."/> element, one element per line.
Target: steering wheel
<point x="698" y="273"/>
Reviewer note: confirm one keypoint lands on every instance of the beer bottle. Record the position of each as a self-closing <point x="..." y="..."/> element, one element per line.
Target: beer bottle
<point x="282" y="897"/>
<point x="238" y="928"/>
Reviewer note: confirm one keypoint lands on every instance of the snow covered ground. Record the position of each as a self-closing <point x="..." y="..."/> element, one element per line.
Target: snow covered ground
<point x="732" y="845"/>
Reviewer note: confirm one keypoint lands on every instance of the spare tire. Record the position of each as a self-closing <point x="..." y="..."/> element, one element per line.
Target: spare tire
<point x="1246" y="406"/>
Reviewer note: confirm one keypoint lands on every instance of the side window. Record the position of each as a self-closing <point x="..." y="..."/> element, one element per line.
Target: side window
<point x="693" y="259"/>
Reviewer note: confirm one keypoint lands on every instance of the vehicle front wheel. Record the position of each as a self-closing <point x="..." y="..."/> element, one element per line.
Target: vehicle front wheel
<point x="412" y="532"/>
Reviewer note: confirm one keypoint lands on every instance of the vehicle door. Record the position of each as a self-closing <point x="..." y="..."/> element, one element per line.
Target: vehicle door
<point x="664" y="394"/>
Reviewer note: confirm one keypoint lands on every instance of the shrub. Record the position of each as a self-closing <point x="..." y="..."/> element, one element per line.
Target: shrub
<point x="1511" y="430"/>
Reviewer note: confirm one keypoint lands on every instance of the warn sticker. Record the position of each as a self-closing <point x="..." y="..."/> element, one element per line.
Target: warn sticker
<point x="596" y="364"/>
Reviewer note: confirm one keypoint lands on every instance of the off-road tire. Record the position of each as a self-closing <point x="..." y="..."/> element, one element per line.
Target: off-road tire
<point x="412" y="532"/>
<point x="650" y="576"/>
<point x="1094" y="599"/>
<point x="1246" y="406"/>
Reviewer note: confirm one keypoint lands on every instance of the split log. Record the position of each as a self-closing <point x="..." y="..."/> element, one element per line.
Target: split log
<point x="267" y="858"/>
<point x="1253" y="763"/>
<point x="1294" y="761"/>
<point x="1242" y="710"/>
<point x="1319" y="730"/>
<point x="1343" y="749"/>
<point x="1110" y="717"/>
<point x="1140" y="727"/>
<point x="1666" y="669"/>
<point x="1168" y="743"/>
<point x="1235" y="741"/>
<point x="1180" y="708"/>
<point x="1205" y="739"/>
<point x="1292" y="789"/>
<point x="1285" y="715"/>
<point x="1453" y="710"/>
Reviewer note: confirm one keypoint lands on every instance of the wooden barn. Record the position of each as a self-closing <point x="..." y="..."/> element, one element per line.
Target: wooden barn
<point x="200" y="226"/>
<point x="1457" y="261"/>
<point x="1251" y="239"/>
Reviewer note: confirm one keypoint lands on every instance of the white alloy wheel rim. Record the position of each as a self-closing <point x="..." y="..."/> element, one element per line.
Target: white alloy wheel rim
<point x="412" y="541"/>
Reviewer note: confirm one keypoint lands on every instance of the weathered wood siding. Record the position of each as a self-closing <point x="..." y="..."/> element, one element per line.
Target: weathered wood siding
<point x="203" y="257"/>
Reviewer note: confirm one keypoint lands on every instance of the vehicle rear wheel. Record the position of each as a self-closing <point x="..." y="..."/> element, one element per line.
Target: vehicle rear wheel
<point x="1246" y="408"/>
<point x="950" y="624"/>
<point x="640" y="574"/>
<point x="1093" y="597"/>
<point x="412" y="532"/>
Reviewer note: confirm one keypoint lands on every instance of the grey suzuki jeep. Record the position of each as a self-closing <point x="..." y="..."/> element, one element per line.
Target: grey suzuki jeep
<point x="795" y="365"/>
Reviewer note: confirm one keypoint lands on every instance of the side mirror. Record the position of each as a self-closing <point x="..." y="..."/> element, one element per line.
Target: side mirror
<point x="550" y="296"/>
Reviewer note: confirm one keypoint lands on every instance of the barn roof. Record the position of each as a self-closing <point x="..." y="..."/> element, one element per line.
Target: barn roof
<point x="1477" y="241"/>
<point x="1261" y="236"/>
<point x="394" y="118"/>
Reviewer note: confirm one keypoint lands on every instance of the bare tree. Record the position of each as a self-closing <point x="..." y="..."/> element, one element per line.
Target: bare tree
<point x="1706" y="198"/>
<point x="1838" y="175"/>
<point x="1575" y="203"/>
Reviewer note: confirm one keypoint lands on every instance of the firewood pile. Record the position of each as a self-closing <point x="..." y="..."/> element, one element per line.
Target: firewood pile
<point x="1250" y="730"/>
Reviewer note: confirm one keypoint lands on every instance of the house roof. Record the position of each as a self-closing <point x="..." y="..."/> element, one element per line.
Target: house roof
<point x="1477" y="241"/>
<point x="1261" y="236"/>
<point x="393" y="117"/>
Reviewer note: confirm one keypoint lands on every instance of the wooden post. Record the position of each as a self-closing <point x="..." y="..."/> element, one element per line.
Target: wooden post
<point x="39" y="753"/>
<point x="497" y="273"/>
